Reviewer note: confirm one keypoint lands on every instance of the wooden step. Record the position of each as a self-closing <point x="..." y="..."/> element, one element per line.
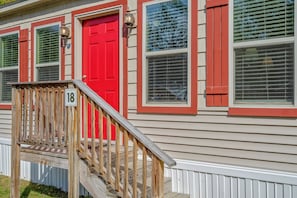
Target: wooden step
<point x="112" y="193"/>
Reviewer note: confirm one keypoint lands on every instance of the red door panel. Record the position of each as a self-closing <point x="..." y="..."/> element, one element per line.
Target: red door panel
<point x="101" y="59"/>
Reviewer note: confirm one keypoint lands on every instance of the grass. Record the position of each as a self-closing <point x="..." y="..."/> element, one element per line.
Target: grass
<point x="30" y="190"/>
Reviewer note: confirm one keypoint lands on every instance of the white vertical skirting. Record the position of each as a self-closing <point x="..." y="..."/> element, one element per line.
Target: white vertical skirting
<point x="36" y="173"/>
<point x="205" y="180"/>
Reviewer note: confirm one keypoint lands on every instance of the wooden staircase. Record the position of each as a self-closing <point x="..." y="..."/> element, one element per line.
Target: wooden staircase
<point x="114" y="160"/>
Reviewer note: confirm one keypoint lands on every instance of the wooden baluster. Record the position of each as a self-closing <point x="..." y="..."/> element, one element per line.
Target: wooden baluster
<point x="93" y="149"/>
<point x="31" y="98"/>
<point x="52" y="116"/>
<point x="144" y="171"/>
<point x="85" y="116"/>
<point x="118" y="155"/>
<point x="78" y="110"/>
<point x="126" y="175"/>
<point x="160" y="180"/>
<point x="108" y="131"/>
<point x="25" y="113"/>
<point x="101" y="159"/>
<point x="135" y="155"/>
<point x="60" y="117"/>
<point x="154" y="177"/>
<point x="37" y="115"/>
<point x="41" y="119"/>
<point x="64" y="117"/>
<point x="57" y="116"/>
<point x="47" y="112"/>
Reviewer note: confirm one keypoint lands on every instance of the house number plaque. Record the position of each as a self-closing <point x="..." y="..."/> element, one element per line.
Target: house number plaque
<point x="70" y="98"/>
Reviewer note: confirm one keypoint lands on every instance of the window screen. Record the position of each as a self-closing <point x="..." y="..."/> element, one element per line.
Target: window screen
<point x="9" y="53"/>
<point x="166" y="46"/>
<point x="47" y="53"/>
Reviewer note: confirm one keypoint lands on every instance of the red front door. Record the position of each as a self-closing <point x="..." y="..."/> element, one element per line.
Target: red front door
<point x="101" y="58"/>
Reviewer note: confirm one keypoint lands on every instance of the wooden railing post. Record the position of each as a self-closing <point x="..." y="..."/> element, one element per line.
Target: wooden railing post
<point x="15" y="146"/>
<point x="73" y="159"/>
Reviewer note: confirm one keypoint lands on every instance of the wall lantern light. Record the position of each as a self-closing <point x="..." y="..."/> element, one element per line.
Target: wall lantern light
<point x="129" y="21"/>
<point x="65" y="35"/>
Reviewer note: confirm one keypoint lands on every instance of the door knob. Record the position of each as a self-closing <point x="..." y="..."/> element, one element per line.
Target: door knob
<point x="84" y="77"/>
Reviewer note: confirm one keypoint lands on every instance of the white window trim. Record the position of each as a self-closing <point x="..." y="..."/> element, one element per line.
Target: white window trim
<point x="233" y="46"/>
<point x="35" y="51"/>
<point x="13" y="67"/>
<point x="146" y="54"/>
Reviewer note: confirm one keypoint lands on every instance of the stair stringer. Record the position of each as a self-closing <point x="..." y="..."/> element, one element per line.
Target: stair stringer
<point x="92" y="183"/>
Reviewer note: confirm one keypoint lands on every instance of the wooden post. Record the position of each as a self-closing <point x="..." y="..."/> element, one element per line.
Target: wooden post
<point x="126" y="176"/>
<point x="73" y="160"/>
<point x="15" y="146"/>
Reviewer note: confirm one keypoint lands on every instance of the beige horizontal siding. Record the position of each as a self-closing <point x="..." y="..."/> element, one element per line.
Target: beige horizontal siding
<point x="226" y="143"/>
<point x="254" y="142"/>
<point x="219" y="127"/>
<point x="5" y="123"/>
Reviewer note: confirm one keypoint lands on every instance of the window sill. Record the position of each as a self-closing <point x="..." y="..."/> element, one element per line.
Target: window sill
<point x="167" y="110"/>
<point x="5" y="106"/>
<point x="263" y="112"/>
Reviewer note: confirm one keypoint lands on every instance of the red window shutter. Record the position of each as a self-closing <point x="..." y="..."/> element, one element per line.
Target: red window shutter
<point x="24" y="52"/>
<point x="217" y="53"/>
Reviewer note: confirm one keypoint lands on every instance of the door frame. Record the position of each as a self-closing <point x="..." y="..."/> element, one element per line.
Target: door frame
<point x="77" y="20"/>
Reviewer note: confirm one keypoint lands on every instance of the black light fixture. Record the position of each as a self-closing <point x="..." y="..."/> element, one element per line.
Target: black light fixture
<point x="64" y="33"/>
<point x="129" y="21"/>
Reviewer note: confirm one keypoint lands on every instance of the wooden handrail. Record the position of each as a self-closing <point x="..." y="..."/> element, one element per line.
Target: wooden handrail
<point x="125" y="124"/>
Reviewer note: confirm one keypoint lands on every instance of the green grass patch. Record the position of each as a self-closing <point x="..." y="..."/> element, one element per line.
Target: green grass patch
<point x="30" y="190"/>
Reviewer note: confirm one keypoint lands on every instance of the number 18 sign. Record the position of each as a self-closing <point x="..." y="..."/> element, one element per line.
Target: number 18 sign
<point x="70" y="98"/>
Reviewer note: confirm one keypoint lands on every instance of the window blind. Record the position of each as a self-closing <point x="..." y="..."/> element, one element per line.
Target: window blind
<point x="48" y="73"/>
<point x="47" y="44"/>
<point x="265" y="74"/>
<point x="167" y="25"/>
<point x="263" y="19"/>
<point x="168" y="78"/>
<point x="7" y="76"/>
<point x="9" y="51"/>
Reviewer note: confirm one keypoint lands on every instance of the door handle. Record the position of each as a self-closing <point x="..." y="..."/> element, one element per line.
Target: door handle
<point x="84" y="77"/>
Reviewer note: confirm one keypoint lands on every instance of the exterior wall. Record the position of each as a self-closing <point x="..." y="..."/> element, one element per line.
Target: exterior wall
<point x="5" y="123"/>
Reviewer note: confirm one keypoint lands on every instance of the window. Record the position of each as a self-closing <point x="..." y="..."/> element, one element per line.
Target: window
<point x="47" y="57"/>
<point x="166" y="53"/>
<point x="264" y="47"/>
<point x="9" y="61"/>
